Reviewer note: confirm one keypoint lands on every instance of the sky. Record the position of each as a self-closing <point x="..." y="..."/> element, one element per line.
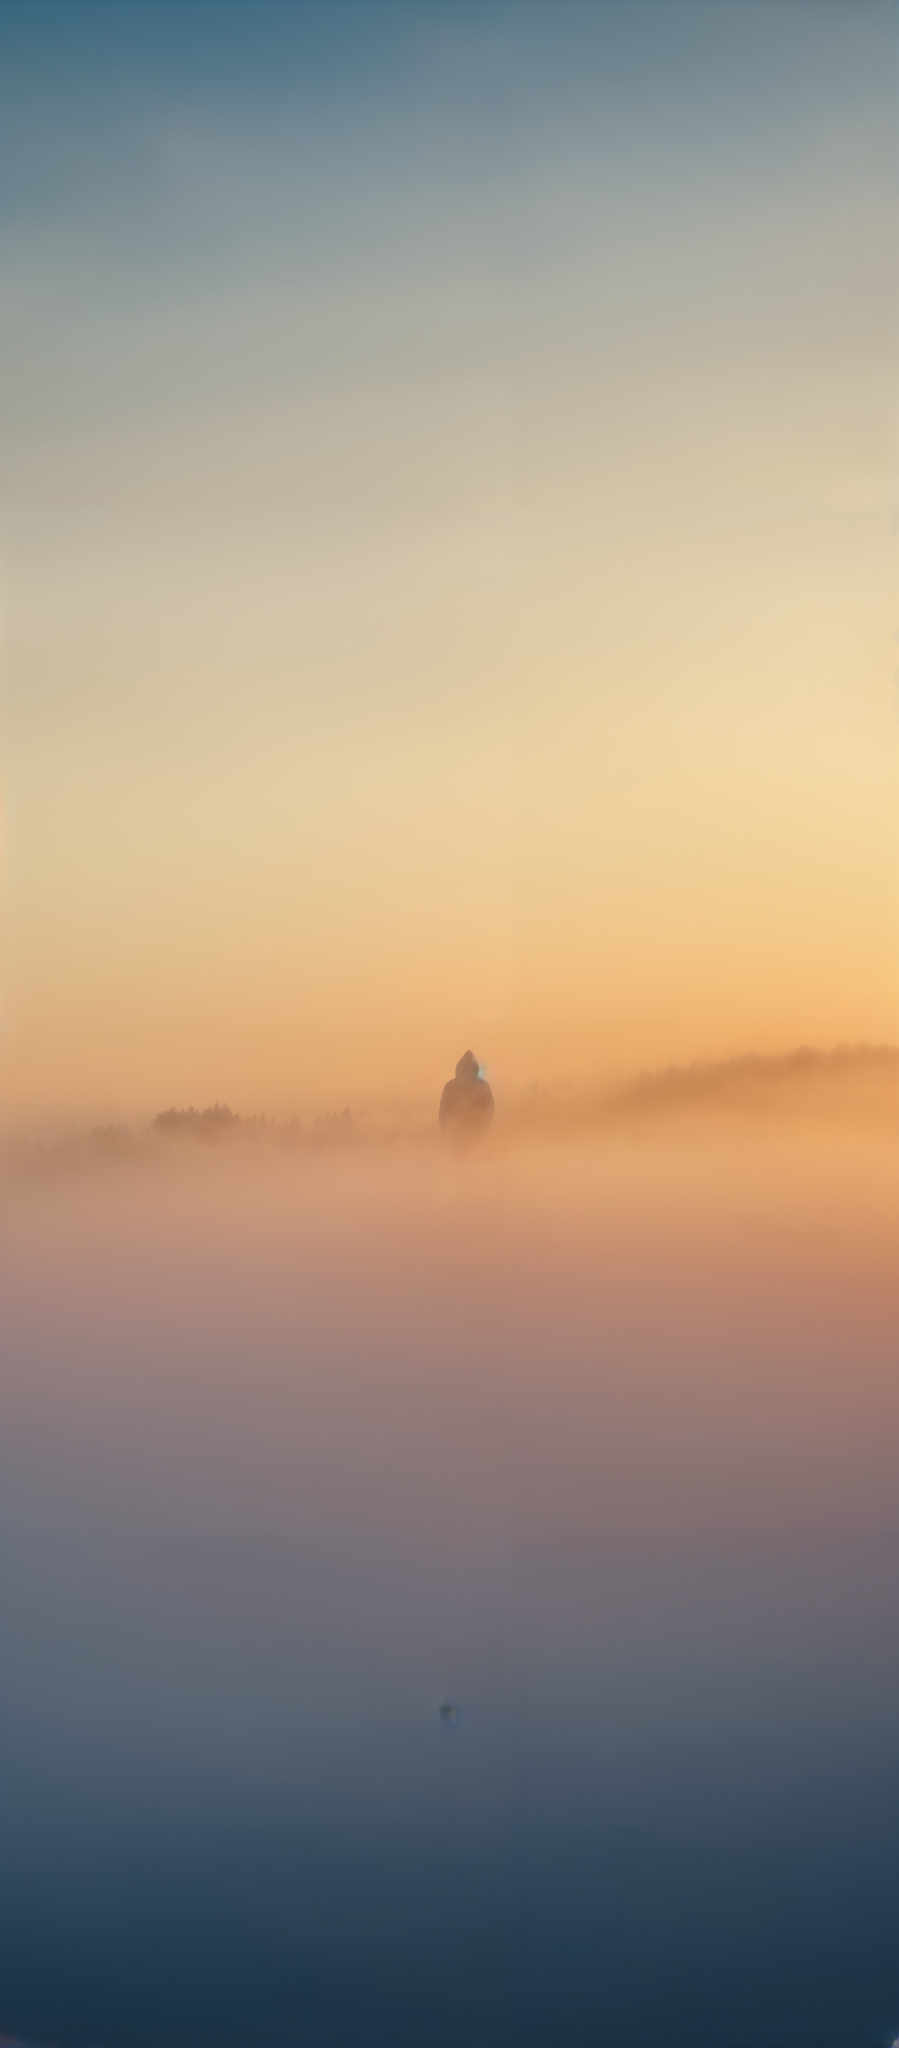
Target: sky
<point x="445" y="540"/>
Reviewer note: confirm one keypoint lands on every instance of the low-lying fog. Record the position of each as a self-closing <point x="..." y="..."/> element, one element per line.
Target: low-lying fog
<point x="599" y="1444"/>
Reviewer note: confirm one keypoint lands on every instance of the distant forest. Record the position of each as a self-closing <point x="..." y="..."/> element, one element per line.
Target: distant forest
<point x="852" y="1084"/>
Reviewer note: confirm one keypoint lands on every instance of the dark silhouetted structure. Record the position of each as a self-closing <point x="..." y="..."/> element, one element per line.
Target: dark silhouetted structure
<point x="466" y="1105"/>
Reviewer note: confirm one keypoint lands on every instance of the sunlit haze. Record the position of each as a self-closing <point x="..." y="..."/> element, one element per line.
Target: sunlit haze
<point x="449" y="1112"/>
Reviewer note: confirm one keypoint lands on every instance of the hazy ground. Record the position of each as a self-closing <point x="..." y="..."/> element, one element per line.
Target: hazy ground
<point x="599" y="1441"/>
